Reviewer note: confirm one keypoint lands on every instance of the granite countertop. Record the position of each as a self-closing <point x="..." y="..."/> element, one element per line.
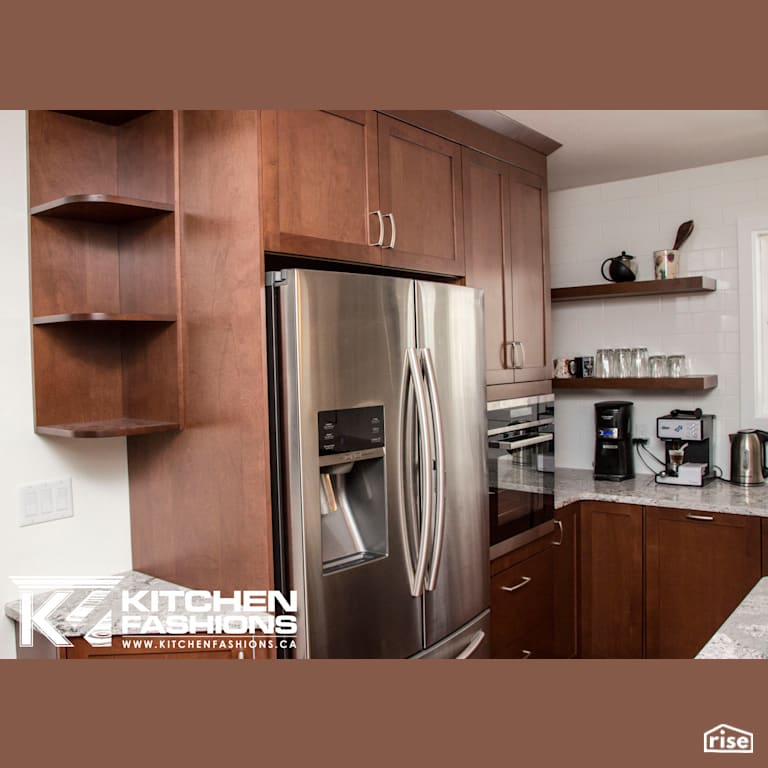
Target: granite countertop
<point x="744" y="635"/>
<point x="76" y="626"/>
<point x="719" y="496"/>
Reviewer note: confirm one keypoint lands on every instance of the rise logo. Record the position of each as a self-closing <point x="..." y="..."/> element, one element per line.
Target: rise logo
<point x="725" y="739"/>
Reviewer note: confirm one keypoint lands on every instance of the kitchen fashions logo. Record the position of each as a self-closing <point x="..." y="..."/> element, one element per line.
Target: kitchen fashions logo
<point x="725" y="739"/>
<point x="96" y="609"/>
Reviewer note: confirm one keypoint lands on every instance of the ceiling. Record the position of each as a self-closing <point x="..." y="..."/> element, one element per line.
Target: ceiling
<point x="606" y="145"/>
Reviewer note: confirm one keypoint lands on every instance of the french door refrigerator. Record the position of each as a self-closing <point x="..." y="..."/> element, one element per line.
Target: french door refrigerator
<point x="379" y="477"/>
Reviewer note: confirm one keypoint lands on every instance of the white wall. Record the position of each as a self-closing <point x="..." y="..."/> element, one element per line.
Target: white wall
<point x="641" y="215"/>
<point x="96" y="541"/>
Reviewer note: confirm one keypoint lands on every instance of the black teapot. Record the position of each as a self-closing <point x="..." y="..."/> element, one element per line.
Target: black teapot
<point x="623" y="268"/>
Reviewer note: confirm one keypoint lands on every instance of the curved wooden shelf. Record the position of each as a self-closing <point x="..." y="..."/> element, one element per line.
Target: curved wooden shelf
<point x="672" y="287"/>
<point x="682" y="384"/>
<point x="101" y="208"/>
<point x="106" y="116"/>
<point x="107" y="428"/>
<point x="101" y="317"/>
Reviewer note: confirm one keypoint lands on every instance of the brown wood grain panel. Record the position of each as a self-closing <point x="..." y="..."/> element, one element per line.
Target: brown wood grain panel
<point x="764" y="526"/>
<point x="673" y="286"/>
<point x="73" y="267"/>
<point x="697" y="572"/>
<point x="145" y="157"/>
<point x="69" y="156"/>
<point x="321" y="184"/>
<point x="77" y="373"/>
<point x="200" y="505"/>
<point x="566" y="562"/>
<point x="82" y="649"/>
<point x="121" y="427"/>
<point x="525" y="389"/>
<point x="459" y="129"/>
<point x="421" y="185"/>
<point x="486" y="232"/>
<point x="611" y="580"/>
<point x="148" y="266"/>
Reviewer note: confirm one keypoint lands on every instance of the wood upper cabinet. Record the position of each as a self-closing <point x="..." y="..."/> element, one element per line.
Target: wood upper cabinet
<point x="321" y="184"/>
<point x="565" y="566"/>
<point x="611" y="562"/>
<point x="421" y="196"/>
<point x="506" y="255"/>
<point x="699" y="567"/>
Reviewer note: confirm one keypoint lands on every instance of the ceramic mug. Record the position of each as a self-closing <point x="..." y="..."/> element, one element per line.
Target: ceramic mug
<point x="561" y="367"/>
<point x="666" y="264"/>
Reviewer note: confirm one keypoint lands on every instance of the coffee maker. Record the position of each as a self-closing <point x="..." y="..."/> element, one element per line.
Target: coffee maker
<point x="687" y="437"/>
<point x="613" y="441"/>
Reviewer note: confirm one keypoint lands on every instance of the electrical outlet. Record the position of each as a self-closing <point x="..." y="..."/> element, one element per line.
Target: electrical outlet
<point x="642" y="431"/>
<point x="42" y="502"/>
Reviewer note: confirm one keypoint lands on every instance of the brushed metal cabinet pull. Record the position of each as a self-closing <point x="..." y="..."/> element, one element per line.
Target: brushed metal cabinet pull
<point x="702" y="518"/>
<point x="526" y="580"/>
<point x="559" y="524"/>
<point x="526" y="654"/>
<point x="391" y="217"/>
<point x="380" y="241"/>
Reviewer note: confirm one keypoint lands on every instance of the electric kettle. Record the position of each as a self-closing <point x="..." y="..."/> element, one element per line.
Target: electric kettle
<point x="748" y="466"/>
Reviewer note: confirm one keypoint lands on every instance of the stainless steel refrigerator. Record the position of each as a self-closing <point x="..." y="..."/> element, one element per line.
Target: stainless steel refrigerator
<point x="379" y="478"/>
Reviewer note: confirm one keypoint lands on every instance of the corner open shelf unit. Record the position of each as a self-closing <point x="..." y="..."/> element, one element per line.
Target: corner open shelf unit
<point x="104" y="265"/>
<point x="699" y="383"/>
<point x="672" y="287"/>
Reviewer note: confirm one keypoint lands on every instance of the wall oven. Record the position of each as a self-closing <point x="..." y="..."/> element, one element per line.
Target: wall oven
<point x="521" y="464"/>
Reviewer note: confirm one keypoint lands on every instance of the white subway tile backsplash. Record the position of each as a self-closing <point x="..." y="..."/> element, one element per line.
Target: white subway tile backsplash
<point x="640" y="216"/>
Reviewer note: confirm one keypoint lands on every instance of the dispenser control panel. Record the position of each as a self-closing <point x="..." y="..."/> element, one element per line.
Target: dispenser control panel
<point x="350" y="429"/>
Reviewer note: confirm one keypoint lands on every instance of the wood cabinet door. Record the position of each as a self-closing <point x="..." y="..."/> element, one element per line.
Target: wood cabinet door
<point x="486" y="239"/>
<point x="421" y="195"/>
<point x="321" y="184"/>
<point x="521" y="609"/>
<point x="699" y="567"/>
<point x="611" y="564"/>
<point x="565" y="579"/>
<point x="528" y="310"/>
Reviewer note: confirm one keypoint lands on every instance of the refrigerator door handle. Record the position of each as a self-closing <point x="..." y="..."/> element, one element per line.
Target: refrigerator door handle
<point x="412" y="376"/>
<point x="473" y="645"/>
<point x="439" y="501"/>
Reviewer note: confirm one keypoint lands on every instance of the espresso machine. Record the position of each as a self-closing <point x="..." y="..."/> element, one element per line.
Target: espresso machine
<point x="687" y="437"/>
<point x="613" y="441"/>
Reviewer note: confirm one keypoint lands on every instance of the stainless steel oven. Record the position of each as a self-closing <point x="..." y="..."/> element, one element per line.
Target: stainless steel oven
<point x="521" y="464"/>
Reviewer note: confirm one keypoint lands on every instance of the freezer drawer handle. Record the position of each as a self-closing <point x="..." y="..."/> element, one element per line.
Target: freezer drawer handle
<point x="439" y="502"/>
<point x="474" y="644"/>
<point x="702" y="518"/>
<point x="526" y="580"/>
<point x="380" y="241"/>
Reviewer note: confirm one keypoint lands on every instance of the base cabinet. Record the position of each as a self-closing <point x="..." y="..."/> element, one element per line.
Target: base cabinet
<point x="565" y="564"/>
<point x="699" y="567"/>
<point x="611" y="544"/>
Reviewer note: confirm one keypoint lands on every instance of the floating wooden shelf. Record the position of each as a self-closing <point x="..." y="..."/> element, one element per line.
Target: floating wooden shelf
<point x="101" y="208"/>
<point x="100" y="317"/>
<point x="107" y="428"/>
<point x="106" y="116"/>
<point x="682" y="384"/>
<point x="671" y="287"/>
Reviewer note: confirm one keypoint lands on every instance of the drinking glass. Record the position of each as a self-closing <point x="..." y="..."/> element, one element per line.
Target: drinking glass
<point x="657" y="366"/>
<point x="639" y="366"/>
<point x="676" y="366"/>
<point x="623" y="363"/>
<point x="604" y="363"/>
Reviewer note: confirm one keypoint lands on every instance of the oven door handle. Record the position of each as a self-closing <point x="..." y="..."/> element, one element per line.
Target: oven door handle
<point x="520" y="427"/>
<point x="524" y="443"/>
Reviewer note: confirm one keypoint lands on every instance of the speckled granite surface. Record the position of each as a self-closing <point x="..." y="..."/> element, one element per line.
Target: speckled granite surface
<point x="744" y="635"/>
<point x="578" y="485"/>
<point x="70" y="626"/>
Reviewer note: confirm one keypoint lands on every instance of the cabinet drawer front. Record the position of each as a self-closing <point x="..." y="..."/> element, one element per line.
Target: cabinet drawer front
<point x="522" y="608"/>
<point x="699" y="566"/>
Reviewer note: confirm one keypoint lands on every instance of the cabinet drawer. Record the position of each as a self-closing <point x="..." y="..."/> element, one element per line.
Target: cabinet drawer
<point x="522" y="609"/>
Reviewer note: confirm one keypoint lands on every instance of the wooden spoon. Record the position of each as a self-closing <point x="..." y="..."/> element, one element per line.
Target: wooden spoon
<point x="683" y="233"/>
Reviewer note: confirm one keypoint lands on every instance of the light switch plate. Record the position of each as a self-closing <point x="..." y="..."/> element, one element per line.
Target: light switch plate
<point x="42" y="502"/>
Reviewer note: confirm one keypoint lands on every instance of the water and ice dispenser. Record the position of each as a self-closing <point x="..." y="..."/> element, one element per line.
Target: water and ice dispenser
<point x="353" y="505"/>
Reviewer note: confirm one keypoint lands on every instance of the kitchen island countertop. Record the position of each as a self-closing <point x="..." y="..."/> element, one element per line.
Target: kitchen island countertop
<point x="744" y="634"/>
